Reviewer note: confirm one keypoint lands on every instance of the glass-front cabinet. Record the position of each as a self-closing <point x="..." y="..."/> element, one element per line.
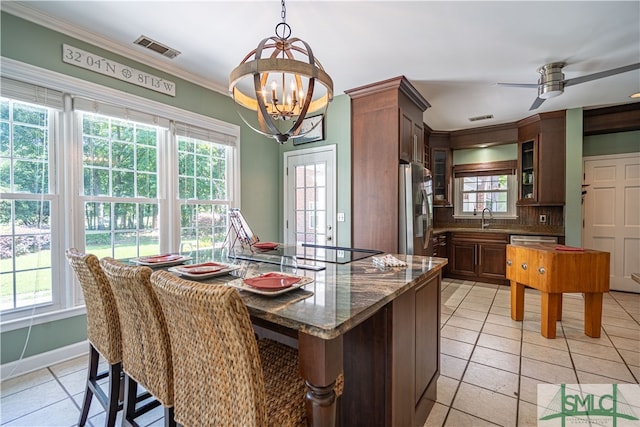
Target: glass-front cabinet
<point x="527" y="161"/>
<point x="441" y="170"/>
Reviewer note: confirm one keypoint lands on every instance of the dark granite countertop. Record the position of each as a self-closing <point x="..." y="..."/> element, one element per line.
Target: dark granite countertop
<point x="340" y="297"/>
<point x="525" y="231"/>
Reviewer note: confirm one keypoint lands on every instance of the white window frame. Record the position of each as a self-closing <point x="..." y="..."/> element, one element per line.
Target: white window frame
<point x="68" y="182"/>
<point x="512" y="195"/>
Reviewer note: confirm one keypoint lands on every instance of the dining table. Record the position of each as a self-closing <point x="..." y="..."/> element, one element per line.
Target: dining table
<point x="367" y="321"/>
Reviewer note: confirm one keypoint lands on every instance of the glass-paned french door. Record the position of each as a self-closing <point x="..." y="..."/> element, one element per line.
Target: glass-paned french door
<point x="310" y="196"/>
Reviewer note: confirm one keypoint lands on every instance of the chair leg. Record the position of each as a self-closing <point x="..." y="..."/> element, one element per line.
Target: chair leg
<point x="130" y="392"/>
<point x="115" y="375"/>
<point x="169" y="420"/>
<point x="92" y="373"/>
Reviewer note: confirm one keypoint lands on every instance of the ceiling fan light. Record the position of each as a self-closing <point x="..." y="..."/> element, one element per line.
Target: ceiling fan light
<point x="549" y="93"/>
<point x="551" y="81"/>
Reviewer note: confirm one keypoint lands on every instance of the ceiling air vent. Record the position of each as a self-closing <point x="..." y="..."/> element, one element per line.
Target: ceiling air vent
<point x="157" y="47"/>
<point x="478" y="118"/>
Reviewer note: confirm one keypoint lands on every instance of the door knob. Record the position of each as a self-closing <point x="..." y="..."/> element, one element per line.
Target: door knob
<point x="524" y="266"/>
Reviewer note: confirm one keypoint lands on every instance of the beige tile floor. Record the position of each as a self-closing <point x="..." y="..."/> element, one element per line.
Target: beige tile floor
<point x="490" y="364"/>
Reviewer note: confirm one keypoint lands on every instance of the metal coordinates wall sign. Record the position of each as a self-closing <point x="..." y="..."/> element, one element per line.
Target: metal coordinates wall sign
<point x="83" y="59"/>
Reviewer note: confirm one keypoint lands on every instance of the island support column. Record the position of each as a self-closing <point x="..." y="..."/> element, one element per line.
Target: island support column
<point x="320" y="364"/>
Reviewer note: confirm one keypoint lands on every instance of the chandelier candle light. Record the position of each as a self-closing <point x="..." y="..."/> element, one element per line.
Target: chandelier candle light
<point x="285" y="88"/>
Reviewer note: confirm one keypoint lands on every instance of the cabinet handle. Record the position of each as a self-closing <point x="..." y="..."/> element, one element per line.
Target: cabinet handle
<point x="524" y="266"/>
<point x="541" y="270"/>
<point x="509" y="262"/>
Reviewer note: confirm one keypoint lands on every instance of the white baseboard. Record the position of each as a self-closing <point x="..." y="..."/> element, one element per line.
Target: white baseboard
<point x="42" y="360"/>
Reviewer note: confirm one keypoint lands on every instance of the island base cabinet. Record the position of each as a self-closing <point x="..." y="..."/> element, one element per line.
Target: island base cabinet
<point x="392" y="361"/>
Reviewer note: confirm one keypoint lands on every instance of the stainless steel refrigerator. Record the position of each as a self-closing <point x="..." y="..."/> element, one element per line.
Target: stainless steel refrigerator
<point x="416" y="210"/>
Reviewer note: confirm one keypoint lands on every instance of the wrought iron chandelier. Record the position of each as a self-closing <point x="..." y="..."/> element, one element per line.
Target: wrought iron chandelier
<point x="274" y="91"/>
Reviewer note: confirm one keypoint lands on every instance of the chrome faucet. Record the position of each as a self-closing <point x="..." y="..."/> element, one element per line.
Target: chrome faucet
<point x="485" y="224"/>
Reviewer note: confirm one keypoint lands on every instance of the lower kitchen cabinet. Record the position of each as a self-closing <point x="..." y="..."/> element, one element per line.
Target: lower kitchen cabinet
<point x="439" y="245"/>
<point x="392" y="360"/>
<point x="478" y="256"/>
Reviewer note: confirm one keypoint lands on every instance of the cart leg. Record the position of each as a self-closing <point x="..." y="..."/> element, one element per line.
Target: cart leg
<point x="592" y="314"/>
<point x="517" y="300"/>
<point x="550" y="304"/>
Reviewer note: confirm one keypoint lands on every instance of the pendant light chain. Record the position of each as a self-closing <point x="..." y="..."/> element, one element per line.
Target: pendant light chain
<point x="284" y="28"/>
<point x="283" y="14"/>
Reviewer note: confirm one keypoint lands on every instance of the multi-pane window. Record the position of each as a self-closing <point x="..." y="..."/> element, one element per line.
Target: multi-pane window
<point x="203" y="188"/>
<point x="26" y="206"/>
<point x="493" y="192"/>
<point x="112" y="187"/>
<point x="480" y="192"/>
<point x="120" y="186"/>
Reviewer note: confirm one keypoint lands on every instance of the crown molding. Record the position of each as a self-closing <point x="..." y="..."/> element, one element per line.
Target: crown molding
<point x="77" y="87"/>
<point x="27" y="13"/>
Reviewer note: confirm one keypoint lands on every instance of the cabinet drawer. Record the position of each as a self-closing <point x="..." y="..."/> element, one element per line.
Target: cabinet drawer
<point x="480" y="237"/>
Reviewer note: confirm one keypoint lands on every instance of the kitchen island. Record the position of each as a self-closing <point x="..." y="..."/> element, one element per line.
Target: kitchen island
<point x="380" y="327"/>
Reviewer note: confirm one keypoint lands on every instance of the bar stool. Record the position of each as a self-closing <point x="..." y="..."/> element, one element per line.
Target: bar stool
<point x="223" y="376"/>
<point x="103" y="333"/>
<point x="146" y="351"/>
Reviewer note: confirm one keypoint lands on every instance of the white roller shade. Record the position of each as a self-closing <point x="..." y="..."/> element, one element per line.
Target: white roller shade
<point x="33" y="94"/>
<point x="117" y="111"/>
<point x="196" y="132"/>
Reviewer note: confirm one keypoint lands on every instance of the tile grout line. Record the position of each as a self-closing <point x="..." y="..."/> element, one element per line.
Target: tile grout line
<point x="469" y="361"/>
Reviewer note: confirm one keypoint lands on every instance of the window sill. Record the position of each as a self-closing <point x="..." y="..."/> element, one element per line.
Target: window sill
<point x="37" y="319"/>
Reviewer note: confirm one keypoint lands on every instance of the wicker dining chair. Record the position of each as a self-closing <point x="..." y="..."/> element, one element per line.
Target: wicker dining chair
<point x="146" y="351"/>
<point x="103" y="333"/>
<point x="223" y="376"/>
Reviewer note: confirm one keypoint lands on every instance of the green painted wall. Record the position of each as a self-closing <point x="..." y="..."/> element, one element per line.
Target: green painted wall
<point x="261" y="159"/>
<point x="611" y="143"/>
<point x="44" y="337"/>
<point x="573" y="174"/>
<point x="496" y="153"/>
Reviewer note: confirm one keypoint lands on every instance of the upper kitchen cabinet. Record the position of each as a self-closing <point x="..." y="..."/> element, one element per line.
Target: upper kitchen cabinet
<point x="386" y="130"/>
<point x="411" y="136"/>
<point x="440" y="168"/>
<point x="541" y="159"/>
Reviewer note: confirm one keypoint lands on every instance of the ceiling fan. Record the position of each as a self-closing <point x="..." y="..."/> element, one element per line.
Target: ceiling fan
<point x="552" y="82"/>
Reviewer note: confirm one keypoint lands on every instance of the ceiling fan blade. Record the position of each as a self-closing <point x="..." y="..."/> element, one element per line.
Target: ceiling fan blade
<point x="601" y="74"/>
<point x="538" y="102"/>
<point x="525" y="85"/>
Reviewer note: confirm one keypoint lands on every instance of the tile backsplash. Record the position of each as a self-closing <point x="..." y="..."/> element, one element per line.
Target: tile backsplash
<point x="528" y="218"/>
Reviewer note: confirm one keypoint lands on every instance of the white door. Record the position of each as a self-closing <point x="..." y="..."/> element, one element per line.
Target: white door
<point x="309" y="188"/>
<point x="612" y="214"/>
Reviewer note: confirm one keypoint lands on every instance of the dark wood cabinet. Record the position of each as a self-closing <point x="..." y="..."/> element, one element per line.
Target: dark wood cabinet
<point x="406" y="137"/>
<point x="440" y="249"/>
<point x="440" y="166"/>
<point x="391" y="363"/>
<point x="440" y="245"/>
<point x="386" y="130"/>
<point x="441" y="172"/>
<point x="411" y="138"/>
<point x="541" y="159"/>
<point x="478" y="256"/>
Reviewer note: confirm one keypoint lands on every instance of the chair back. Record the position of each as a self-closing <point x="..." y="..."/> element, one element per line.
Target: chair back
<point x="218" y="374"/>
<point x="103" y="324"/>
<point x="146" y="350"/>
